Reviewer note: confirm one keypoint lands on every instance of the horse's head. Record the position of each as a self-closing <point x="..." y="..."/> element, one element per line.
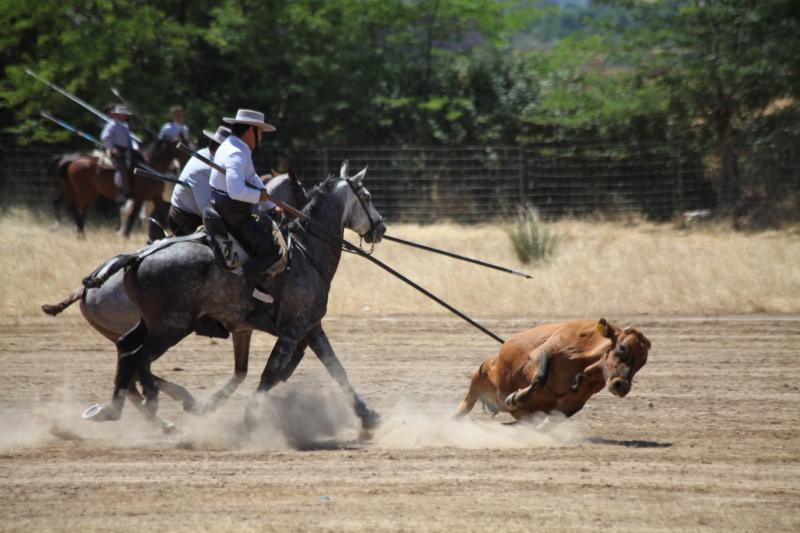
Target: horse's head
<point x="163" y="152"/>
<point x="625" y="357"/>
<point x="360" y="213"/>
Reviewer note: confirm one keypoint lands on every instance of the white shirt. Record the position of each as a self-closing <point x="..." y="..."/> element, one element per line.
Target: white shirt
<point x="240" y="180"/>
<point x="173" y="131"/>
<point x="197" y="196"/>
<point x="116" y="135"/>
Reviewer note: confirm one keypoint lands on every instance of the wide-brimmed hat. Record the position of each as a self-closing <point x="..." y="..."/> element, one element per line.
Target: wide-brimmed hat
<point x="174" y="110"/>
<point x="121" y="109"/>
<point x="218" y="136"/>
<point x="248" y="116"/>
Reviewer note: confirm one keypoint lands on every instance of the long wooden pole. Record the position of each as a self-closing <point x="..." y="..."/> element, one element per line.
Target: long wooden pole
<point x="353" y="248"/>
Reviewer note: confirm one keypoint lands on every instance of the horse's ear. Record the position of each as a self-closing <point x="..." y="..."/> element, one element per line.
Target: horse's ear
<point x="345" y="168"/>
<point x="358" y="178"/>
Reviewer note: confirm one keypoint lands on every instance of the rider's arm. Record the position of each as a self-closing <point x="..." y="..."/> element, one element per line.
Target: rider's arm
<point x="236" y="170"/>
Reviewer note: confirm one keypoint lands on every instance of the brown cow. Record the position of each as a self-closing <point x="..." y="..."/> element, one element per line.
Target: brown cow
<point x="557" y="367"/>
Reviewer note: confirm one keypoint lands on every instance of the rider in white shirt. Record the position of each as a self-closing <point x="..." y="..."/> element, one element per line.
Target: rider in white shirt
<point x="116" y="136"/>
<point x="237" y="191"/>
<point x="176" y="129"/>
<point x="192" y="194"/>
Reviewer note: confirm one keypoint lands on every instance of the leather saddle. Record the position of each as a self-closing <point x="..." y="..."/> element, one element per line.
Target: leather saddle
<point x="231" y="254"/>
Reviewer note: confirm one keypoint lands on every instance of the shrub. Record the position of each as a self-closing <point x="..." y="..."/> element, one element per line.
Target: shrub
<point x="531" y="238"/>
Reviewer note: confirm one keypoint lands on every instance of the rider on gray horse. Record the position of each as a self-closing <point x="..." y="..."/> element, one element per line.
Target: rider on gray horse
<point x="192" y="194"/>
<point x="237" y="191"/>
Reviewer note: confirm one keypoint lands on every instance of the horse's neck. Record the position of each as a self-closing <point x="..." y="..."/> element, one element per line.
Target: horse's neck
<point x="159" y="157"/>
<point x="323" y="251"/>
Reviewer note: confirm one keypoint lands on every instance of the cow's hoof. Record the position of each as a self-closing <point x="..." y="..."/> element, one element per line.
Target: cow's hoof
<point x="168" y="427"/>
<point x="101" y="413"/>
<point x="511" y="401"/>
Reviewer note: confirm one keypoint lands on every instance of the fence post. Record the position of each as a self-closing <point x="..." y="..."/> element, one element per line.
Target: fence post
<point x="521" y="163"/>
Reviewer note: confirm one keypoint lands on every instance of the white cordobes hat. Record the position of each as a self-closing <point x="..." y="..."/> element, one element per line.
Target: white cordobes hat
<point x="120" y="109"/>
<point x="218" y="136"/>
<point x="248" y="116"/>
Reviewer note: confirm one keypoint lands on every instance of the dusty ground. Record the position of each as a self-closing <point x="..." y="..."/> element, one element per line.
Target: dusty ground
<point x="708" y="439"/>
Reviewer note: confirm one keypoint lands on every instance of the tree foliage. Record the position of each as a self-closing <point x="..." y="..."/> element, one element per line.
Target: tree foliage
<point x="349" y="72"/>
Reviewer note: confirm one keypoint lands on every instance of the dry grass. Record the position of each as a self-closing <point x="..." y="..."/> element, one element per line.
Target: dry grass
<point x="597" y="269"/>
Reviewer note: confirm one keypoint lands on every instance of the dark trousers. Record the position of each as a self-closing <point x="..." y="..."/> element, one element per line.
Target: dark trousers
<point x="182" y="223"/>
<point x="122" y="169"/>
<point x="238" y="217"/>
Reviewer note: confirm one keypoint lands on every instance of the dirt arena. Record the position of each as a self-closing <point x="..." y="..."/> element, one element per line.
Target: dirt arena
<point x="707" y="440"/>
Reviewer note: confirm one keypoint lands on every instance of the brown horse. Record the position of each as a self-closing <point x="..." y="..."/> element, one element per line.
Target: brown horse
<point x="86" y="178"/>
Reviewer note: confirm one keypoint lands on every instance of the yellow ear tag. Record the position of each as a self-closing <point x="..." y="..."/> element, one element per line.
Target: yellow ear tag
<point x="600" y="328"/>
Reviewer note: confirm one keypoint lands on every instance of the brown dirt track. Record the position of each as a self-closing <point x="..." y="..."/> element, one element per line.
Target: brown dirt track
<point x="708" y="439"/>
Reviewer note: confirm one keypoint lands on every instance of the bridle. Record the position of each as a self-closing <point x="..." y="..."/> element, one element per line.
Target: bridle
<point x="373" y="224"/>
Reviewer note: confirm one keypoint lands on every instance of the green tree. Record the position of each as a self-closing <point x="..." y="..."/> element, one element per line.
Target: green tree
<point x="723" y="62"/>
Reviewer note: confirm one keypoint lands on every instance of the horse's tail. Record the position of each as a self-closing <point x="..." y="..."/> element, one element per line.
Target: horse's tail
<point x="56" y="309"/>
<point x="108" y="269"/>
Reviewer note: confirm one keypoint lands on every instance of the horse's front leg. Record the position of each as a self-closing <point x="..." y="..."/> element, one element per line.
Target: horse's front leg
<point x="319" y="343"/>
<point x="279" y="359"/>
<point x="241" y="354"/>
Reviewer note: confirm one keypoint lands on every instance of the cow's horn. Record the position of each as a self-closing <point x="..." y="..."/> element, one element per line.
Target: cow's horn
<point x="628" y="330"/>
<point x="604" y="329"/>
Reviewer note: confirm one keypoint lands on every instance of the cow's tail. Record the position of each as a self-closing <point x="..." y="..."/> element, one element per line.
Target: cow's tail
<point x="108" y="269"/>
<point x="56" y="309"/>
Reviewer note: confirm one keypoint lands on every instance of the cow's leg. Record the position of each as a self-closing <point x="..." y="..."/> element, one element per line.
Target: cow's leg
<point x="517" y="399"/>
<point x="478" y="387"/>
<point x="241" y="353"/>
<point x="319" y="343"/>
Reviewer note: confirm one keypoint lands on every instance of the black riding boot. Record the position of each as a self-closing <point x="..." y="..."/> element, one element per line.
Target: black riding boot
<point x="255" y="266"/>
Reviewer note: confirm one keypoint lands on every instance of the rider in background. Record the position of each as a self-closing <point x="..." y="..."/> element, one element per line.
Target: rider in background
<point x="237" y="191"/>
<point x="189" y="200"/>
<point x="175" y="129"/>
<point x="116" y="136"/>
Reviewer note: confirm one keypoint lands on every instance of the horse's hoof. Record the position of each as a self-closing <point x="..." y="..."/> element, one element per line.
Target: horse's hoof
<point x="370" y="420"/>
<point x="365" y="435"/>
<point x="194" y="408"/>
<point x="100" y="413"/>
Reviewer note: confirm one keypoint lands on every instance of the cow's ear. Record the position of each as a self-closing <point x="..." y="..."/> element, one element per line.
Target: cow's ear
<point x="604" y="329"/>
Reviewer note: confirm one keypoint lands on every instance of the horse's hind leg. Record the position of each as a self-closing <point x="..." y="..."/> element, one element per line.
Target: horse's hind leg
<point x="177" y="393"/>
<point x="319" y="343"/>
<point x="135" y="350"/>
<point x="131" y="217"/>
<point x="241" y="354"/>
<point x="127" y="347"/>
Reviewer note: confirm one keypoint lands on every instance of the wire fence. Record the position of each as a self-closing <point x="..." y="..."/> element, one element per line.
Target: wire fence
<point x="461" y="184"/>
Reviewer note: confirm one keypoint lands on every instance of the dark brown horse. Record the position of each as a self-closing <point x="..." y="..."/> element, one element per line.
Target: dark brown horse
<point x="86" y="178"/>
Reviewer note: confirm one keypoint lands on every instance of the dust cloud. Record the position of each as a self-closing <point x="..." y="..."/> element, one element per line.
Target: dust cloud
<point x="286" y="418"/>
<point x="413" y="427"/>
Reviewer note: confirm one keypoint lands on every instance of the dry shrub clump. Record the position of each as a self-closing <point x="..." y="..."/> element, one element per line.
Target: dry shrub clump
<point x="598" y="268"/>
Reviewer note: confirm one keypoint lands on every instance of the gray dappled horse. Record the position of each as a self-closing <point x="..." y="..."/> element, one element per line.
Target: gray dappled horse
<point x="180" y="286"/>
<point x="111" y="313"/>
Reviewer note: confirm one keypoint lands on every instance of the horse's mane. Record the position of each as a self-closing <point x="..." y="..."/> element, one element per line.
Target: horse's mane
<point x="318" y="193"/>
